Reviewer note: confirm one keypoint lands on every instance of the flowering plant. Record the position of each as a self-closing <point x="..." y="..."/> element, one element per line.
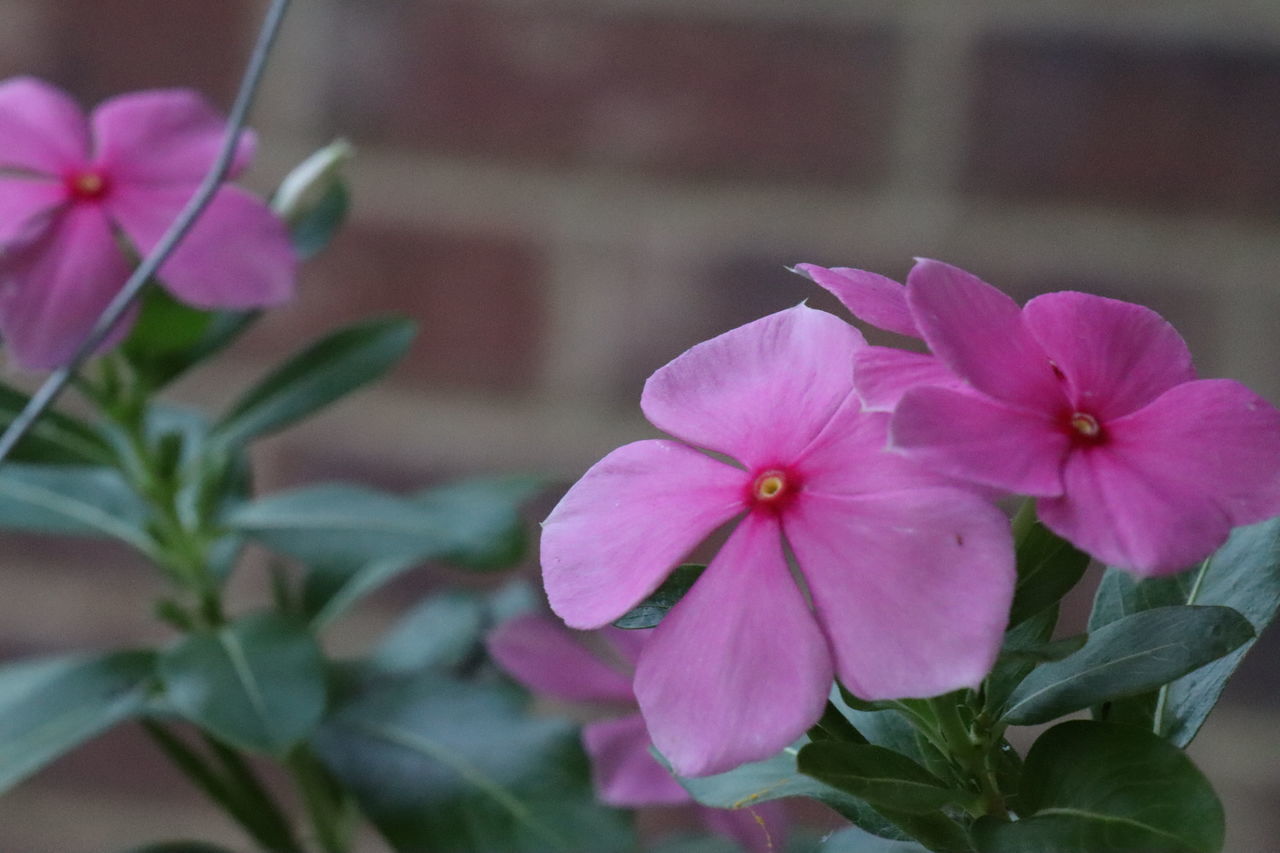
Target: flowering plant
<point x="870" y="628"/>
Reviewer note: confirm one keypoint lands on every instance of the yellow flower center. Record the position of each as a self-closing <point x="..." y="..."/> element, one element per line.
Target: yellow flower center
<point x="1085" y="425"/>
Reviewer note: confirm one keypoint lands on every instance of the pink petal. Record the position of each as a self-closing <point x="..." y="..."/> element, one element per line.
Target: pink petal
<point x="22" y="200"/>
<point x="738" y="669"/>
<point x="978" y="332"/>
<point x="883" y="374"/>
<point x="162" y="137"/>
<point x="238" y="255"/>
<point x="982" y="440"/>
<point x="1116" y="356"/>
<point x="872" y="298"/>
<point x="1170" y="480"/>
<point x="758" y="828"/>
<point x="758" y="393"/>
<point x="54" y="285"/>
<point x="1133" y="518"/>
<point x="628" y="522"/>
<point x="41" y="128"/>
<point x="545" y="657"/>
<point x="851" y="457"/>
<point x="912" y="588"/>
<point x="624" y="772"/>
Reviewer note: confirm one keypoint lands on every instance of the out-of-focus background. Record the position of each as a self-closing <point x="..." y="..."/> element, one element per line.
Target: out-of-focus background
<point x="568" y="193"/>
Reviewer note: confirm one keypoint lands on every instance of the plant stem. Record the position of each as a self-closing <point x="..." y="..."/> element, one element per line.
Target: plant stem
<point x="326" y="804"/>
<point x="251" y="807"/>
<point x="971" y="751"/>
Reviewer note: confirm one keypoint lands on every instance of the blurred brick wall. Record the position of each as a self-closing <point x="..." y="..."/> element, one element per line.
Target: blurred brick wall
<point x="567" y="193"/>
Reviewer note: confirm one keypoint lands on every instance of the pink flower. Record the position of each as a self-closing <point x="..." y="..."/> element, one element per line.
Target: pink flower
<point x="1092" y="406"/>
<point x="910" y="582"/>
<point x="547" y="658"/>
<point x="71" y="185"/>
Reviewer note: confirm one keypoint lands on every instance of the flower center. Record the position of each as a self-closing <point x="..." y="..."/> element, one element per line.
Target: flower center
<point x="1086" y="426"/>
<point x="87" y="186"/>
<point x="772" y="488"/>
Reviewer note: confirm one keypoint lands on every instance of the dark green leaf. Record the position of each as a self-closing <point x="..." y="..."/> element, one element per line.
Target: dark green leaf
<point x="1245" y="575"/>
<point x="49" y="707"/>
<point x="72" y="500"/>
<point x="1012" y="666"/>
<point x="879" y="776"/>
<point x="1053" y="650"/>
<point x="1048" y="567"/>
<point x="443" y="765"/>
<point x="257" y="684"/>
<point x="648" y="613"/>
<point x="834" y="725"/>
<point x="55" y="439"/>
<point x="1127" y="657"/>
<point x="1091" y="787"/>
<point x="778" y="777"/>
<point x="327" y="370"/>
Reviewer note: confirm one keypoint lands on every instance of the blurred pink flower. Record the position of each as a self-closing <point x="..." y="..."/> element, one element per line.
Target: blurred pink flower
<point x="1089" y="404"/>
<point x="71" y="187"/>
<point x="549" y="659"/>
<point x="910" y="581"/>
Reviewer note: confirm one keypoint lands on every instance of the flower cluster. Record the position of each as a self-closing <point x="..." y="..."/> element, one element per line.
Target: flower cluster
<point x="858" y="479"/>
<point x="73" y="189"/>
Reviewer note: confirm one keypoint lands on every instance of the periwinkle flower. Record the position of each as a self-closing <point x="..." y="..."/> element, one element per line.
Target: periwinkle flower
<point x="72" y="188"/>
<point x="907" y="579"/>
<point x="1091" y="405"/>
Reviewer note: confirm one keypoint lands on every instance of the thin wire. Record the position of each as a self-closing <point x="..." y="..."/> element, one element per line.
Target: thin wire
<point x="57" y="381"/>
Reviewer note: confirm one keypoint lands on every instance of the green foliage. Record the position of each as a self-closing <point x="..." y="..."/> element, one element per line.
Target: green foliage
<point x="171" y="337"/>
<point x="257" y="684"/>
<point x="1127" y="657"/>
<point x="72" y="500"/>
<point x="648" y="613"/>
<point x="324" y="372"/>
<point x="50" y="706"/>
<point x="441" y="632"/>
<point x="1091" y="787"/>
<point x="442" y="764"/>
<point x="356" y="539"/>
<point x="1245" y="575"/>
<point x="879" y="776"/>
<point x="56" y="439"/>
<point x="854" y="840"/>
<point x="1048" y="567"/>
<point x="315" y="228"/>
<point x="179" y="847"/>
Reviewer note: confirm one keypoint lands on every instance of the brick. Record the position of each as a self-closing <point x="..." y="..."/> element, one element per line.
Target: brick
<point x="99" y="48"/>
<point x="1099" y="119"/>
<point x="477" y="298"/>
<point x="651" y="91"/>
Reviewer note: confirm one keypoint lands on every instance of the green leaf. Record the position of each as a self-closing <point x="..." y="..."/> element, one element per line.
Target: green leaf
<point x="48" y="707"/>
<point x="356" y="539"/>
<point x="778" y="777"/>
<point x="442" y="631"/>
<point x="1048" y="652"/>
<point x="315" y="228"/>
<point x="1129" y="656"/>
<point x="55" y="439"/>
<point x="257" y="684"/>
<point x="854" y="840"/>
<point x="1048" y="567"/>
<point x="444" y="765"/>
<point x="170" y="337"/>
<point x="1245" y="575"/>
<point x="648" y="613"/>
<point x="1012" y="666"/>
<point x="1090" y="787"/>
<point x="878" y="775"/>
<point x="72" y="500"/>
<point x="327" y="370"/>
